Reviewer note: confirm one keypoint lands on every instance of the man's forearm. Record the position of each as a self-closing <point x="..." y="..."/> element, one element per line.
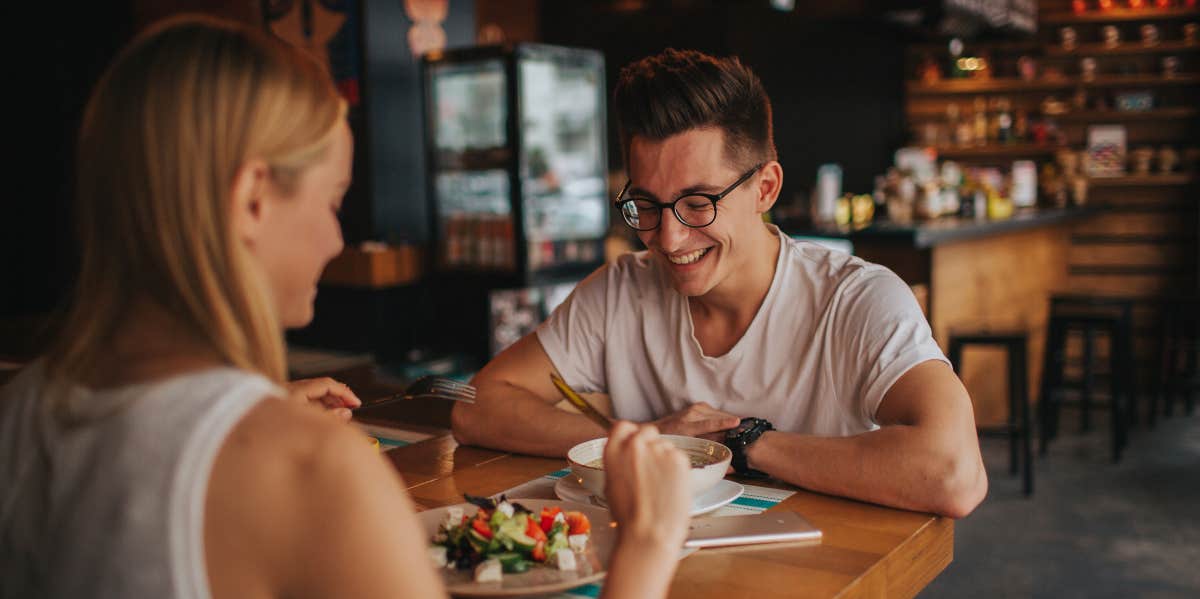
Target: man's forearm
<point x="899" y="466"/>
<point x="513" y="419"/>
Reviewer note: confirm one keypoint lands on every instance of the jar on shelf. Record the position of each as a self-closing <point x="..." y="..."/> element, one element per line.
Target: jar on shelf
<point x="1079" y="99"/>
<point x="1140" y="160"/>
<point x="1111" y="35"/>
<point x="1087" y="68"/>
<point x="1190" y="33"/>
<point x="1150" y="34"/>
<point x="1168" y="159"/>
<point x="1069" y="38"/>
<point x="1068" y="162"/>
<point x="1170" y="66"/>
<point x="1027" y="68"/>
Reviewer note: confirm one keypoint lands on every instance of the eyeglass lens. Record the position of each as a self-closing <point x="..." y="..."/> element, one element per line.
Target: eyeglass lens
<point x="692" y="210"/>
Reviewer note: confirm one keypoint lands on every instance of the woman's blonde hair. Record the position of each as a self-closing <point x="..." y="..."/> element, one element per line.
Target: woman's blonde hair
<point x="165" y="132"/>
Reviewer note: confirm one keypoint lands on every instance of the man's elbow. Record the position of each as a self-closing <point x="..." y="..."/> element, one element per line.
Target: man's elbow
<point x="463" y="424"/>
<point x="963" y="489"/>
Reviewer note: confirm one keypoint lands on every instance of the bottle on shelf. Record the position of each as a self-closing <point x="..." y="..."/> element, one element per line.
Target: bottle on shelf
<point x="964" y="134"/>
<point x="1021" y="125"/>
<point x="981" y="121"/>
<point x="993" y="131"/>
<point x="1004" y="121"/>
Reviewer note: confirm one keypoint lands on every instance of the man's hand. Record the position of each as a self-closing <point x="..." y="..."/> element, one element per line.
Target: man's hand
<point x="332" y="395"/>
<point x="698" y="420"/>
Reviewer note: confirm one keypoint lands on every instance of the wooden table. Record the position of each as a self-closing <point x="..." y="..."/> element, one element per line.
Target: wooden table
<point x="867" y="550"/>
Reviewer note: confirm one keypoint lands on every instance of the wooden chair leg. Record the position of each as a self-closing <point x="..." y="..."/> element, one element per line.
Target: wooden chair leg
<point x="1089" y="379"/>
<point x="1018" y="365"/>
<point x="1052" y="363"/>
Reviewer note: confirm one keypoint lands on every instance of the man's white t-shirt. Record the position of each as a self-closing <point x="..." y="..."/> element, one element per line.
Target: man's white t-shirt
<point x="831" y="337"/>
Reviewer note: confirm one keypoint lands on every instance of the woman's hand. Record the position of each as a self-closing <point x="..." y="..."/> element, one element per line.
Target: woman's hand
<point x="646" y="486"/>
<point x="326" y="392"/>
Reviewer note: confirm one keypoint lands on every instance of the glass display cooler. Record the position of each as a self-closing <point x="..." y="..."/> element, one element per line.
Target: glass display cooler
<point x="516" y="142"/>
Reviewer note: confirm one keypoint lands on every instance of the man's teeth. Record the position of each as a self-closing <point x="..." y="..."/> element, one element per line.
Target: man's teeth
<point x="688" y="258"/>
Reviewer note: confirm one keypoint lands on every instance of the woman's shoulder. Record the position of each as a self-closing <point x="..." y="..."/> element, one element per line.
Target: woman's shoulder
<point x="286" y="477"/>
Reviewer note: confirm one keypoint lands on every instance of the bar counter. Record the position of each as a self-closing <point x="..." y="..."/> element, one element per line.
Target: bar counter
<point x="949" y="229"/>
<point x="974" y="275"/>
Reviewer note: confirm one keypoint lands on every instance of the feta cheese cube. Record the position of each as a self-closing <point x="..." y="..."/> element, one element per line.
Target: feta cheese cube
<point x="437" y="553"/>
<point x="488" y="571"/>
<point x="577" y="542"/>
<point x="559" y="517"/>
<point x="565" y="560"/>
<point x="453" y="517"/>
<point x="505" y="508"/>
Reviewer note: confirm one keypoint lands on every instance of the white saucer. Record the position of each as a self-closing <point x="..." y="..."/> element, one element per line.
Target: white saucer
<point x="568" y="488"/>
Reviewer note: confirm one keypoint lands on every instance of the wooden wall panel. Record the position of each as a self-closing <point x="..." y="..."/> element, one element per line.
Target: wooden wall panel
<point x="1129" y="284"/>
<point x="1136" y="224"/>
<point x="1139" y="254"/>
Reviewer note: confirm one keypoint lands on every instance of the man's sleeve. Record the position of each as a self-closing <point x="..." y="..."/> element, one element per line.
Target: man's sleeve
<point x="881" y="334"/>
<point x="573" y="336"/>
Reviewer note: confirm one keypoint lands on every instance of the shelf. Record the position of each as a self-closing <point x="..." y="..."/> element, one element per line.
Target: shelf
<point x="1144" y="180"/>
<point x="1126" y="49"/>
<point x="1112" y="116"/>
<point x="1158" y="114"/>
<point x="996" y="151"/>
<point x="975" y="86"/>
<point x="1118" y="15"/>
<point x="1005" y="46"/>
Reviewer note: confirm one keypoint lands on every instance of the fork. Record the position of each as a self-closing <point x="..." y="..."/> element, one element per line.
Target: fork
<point x="429" y="387"/>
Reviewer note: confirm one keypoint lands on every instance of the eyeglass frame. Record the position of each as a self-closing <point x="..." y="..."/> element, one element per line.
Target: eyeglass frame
<point x="660" y="206"/>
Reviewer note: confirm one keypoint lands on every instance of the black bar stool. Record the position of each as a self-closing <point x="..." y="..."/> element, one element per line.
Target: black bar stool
<point x="1018" y="429"/>
<point x="1089" y="315"/>
<point x="1179" y="357"/>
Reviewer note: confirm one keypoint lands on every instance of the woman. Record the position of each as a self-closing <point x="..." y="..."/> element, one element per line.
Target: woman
<point x="142" y="456"/>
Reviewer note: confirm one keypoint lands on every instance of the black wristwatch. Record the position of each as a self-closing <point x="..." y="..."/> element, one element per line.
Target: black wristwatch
<point x="738" y="439"/>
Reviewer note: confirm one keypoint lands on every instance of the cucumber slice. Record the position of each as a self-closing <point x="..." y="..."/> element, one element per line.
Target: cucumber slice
<point x="512" y="563"/>
<point x="478" y="542"/>
<point x="514" y="531"/>
<point x="522" y="542"/>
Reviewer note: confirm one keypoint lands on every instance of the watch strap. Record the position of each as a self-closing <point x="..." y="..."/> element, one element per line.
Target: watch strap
<point x="751" y="429"/>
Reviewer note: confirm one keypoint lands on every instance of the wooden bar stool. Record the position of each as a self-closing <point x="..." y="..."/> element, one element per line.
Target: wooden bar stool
<point x="1088" y="315"/>
<point x="1179" y="357"/>
<point x="1018" y="429"/>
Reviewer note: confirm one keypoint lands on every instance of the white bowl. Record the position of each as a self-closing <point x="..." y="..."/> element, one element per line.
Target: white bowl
<point x="710" y="462"/>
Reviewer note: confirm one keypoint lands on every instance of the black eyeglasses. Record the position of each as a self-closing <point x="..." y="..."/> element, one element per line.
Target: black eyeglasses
<point x="693" y="210"/>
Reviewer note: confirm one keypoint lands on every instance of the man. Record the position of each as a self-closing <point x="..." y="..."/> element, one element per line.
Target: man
<point x="724" y="318"/>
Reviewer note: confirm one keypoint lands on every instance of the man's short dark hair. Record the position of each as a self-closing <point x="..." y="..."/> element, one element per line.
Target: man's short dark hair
<point x="678" y="90"/>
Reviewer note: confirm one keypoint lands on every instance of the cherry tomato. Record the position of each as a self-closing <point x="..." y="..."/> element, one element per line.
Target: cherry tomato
<point x="577" y="523"/>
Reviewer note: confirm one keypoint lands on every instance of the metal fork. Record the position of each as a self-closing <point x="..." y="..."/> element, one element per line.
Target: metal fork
<point x="429" y="387"/>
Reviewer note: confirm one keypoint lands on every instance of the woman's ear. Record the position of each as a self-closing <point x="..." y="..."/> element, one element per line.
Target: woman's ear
<point x="770" y="182"/>
<point x="249" y="205"/>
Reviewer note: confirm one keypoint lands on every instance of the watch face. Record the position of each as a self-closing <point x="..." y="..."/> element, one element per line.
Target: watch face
<point x="745" y="425"/>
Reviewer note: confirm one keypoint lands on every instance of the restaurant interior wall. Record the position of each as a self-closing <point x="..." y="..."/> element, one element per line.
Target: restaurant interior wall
<point x="835" y="81"/>
<point x="59" y="52"/>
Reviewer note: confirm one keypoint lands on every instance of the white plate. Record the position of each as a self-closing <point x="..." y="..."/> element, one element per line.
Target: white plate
<point x="568" y="489"/>
<point x="539" y="579"/>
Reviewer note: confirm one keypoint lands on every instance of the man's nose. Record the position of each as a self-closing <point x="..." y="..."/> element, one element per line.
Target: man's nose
<point x="671" y="233"/>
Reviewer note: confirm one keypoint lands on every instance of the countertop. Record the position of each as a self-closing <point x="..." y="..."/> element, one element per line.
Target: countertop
<point x="926" y="234"/>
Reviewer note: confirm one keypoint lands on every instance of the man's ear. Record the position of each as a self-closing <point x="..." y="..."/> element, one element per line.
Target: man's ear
<point x="248" y="202"/>
<point x="770" y="182"/>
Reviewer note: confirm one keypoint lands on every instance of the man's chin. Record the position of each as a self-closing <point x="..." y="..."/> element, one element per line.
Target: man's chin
<point x="689" y="288"/>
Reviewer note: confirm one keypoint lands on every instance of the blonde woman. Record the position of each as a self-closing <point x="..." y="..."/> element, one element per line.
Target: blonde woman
<point x="142" y="457"/>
